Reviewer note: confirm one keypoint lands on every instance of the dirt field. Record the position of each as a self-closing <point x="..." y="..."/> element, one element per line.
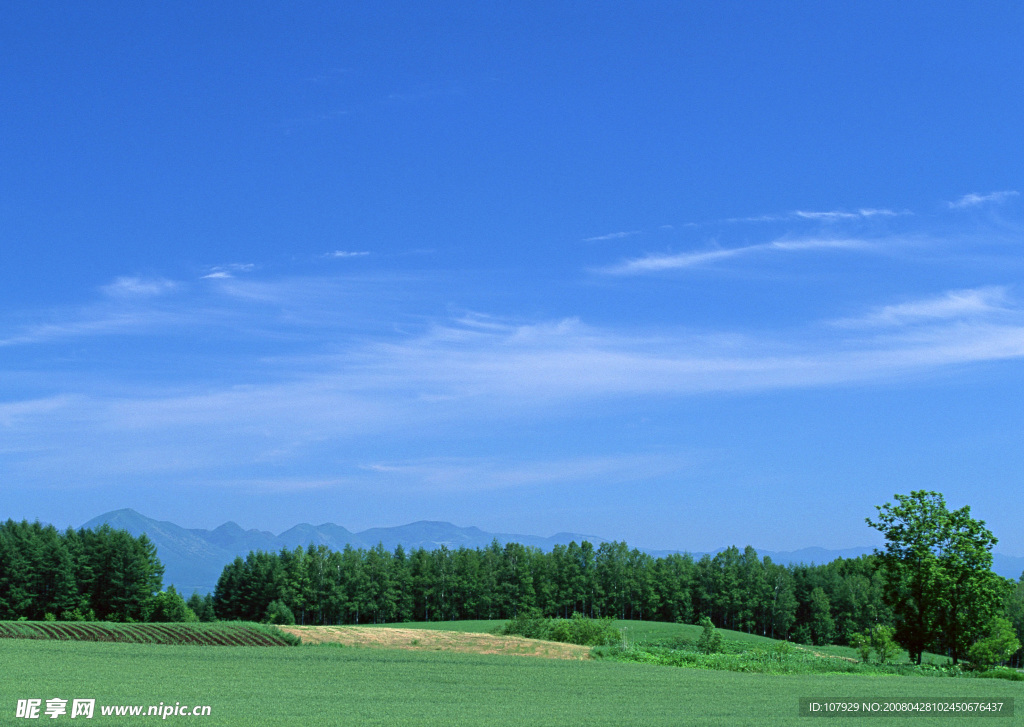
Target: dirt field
<point x="429" y="640"/>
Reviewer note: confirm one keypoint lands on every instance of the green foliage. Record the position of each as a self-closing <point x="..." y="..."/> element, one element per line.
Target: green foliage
<point x="884" y="643"/>
<point x="576" y="630"/>
<point x="584" y="631"/>
<point x="169" y="607"/>
<point x="102" y="573"/>
<point x="862" y="643"/>
<point x="527" y="625"/>
<point x="76" y="614"/>
<point x="279" y="613"/>
<point x="940" y="585"/>
<point x="999" y="644"/>
<point x="710" y="641"/>
<point x="202" y="607"/>
<point x="821" y="624"/>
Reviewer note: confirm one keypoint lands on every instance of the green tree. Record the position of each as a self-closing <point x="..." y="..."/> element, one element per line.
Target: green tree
<point x="938" y="563"/>
<point x="822" y="625"/>
<point x="1014" y="610"/>
<point x="279" y="613"/>
<point x="861" y="641"/>
<point x="202" y="606"/>
<point x="169" y="607"/>
<point x="999" y="644"/>
<point x="883" y="643"/>
<point x="710" y="641"/>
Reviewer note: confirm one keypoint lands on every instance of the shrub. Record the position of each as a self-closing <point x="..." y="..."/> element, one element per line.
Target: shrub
<point x="710" y="641"/>
<point x="883" y="643"/>
<point x="279" y="613"/>
<point x="528" y="625"/>
<point x="862" y="643"/>
<point x="998" y="646"/>
<point x="576" y="630"/>
<point x="584" y="631"/>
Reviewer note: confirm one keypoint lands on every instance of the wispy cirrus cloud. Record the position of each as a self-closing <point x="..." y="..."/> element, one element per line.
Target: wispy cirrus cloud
<point x="341" y="254"/>
<point x="971" y="303"/>
<point x="612" y="236"/>
<point x="455" y="371"/>
<point x="95" y="321"/>
<point x="136" y="287"/>
<point x="222" y="272"/>
<point x="838" y="215"/>
<point x="820" y="216"/>
<point x="973" y="200"/>
<point x="660" y="262"/>
<point x="478" y="369"/>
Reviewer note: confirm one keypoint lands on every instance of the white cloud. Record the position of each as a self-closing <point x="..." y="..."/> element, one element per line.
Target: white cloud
<point x="480" y="370"/>
<point x="616" y="235"/>
<point x="93" y="323"/>
<point x="221" y="272"/>
<point x="973" y="200"/>
<point x="954" y="304"/>
<point x="656" y="263"/>
<point x="827" y="216"/>
<point x="835" y="216"/>
<point x="869" y="212"/>
<point x="346" y="254"/>
<point x="133" y="287"/>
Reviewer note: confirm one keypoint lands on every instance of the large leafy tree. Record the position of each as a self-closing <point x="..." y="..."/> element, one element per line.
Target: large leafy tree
<point x="938" y="564"/>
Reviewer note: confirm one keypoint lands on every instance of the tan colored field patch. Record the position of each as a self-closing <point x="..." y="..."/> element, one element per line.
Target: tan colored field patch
<point x="375" y="637"/>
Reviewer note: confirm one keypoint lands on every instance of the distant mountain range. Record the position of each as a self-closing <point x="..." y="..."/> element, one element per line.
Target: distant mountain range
<point x="193" y="558"/>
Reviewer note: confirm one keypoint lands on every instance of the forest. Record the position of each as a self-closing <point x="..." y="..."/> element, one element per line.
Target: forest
<point x="812" y="604"/>
<point x="78" y="575"/>
<point x="940" y="596"/>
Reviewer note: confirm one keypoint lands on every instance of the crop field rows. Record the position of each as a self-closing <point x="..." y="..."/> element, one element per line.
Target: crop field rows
<point x="232" y="634"/>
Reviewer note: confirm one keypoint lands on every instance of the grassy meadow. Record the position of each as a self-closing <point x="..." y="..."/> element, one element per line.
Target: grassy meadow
<point x="313" y="685"/>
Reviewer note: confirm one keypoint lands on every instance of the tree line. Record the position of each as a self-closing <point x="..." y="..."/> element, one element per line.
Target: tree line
<point x="932" y="586"/>
<point x="100" y="574"/>
<point x="736" y="589"/>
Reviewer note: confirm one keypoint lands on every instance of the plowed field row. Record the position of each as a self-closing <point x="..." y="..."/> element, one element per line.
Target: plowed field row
<point x="227" y="634"/>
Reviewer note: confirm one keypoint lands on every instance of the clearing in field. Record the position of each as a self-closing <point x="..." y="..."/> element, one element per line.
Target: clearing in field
<point x="433" y="640"/>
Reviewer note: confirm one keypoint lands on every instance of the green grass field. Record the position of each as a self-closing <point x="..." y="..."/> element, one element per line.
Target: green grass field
<point x="323" y="686"/>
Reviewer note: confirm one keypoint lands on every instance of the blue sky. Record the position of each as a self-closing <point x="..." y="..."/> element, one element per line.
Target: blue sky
<point x="686" y="274"/>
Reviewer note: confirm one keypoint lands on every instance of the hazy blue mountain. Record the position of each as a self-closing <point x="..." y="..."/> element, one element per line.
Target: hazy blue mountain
<point x="232" y="537"/>
<point x="191" y="562"/>
<point x="816" y="556"/>
<point x="333" y="536"/>
<point x="194" y="558"/>
<point x="432" y="534"/>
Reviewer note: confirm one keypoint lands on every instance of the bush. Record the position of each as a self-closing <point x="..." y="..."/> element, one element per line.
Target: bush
<point x="527" y="625"/>
<point x="710" y="641"/>
<point x="279" y="613"/>
<point x="862" y="643"/>
<point x="576" y="630"/>
<point x="584" y="631"/>
<point x="169" y="607"/>
<point x="997" y="647"/>
<point x="883" y="643"/>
